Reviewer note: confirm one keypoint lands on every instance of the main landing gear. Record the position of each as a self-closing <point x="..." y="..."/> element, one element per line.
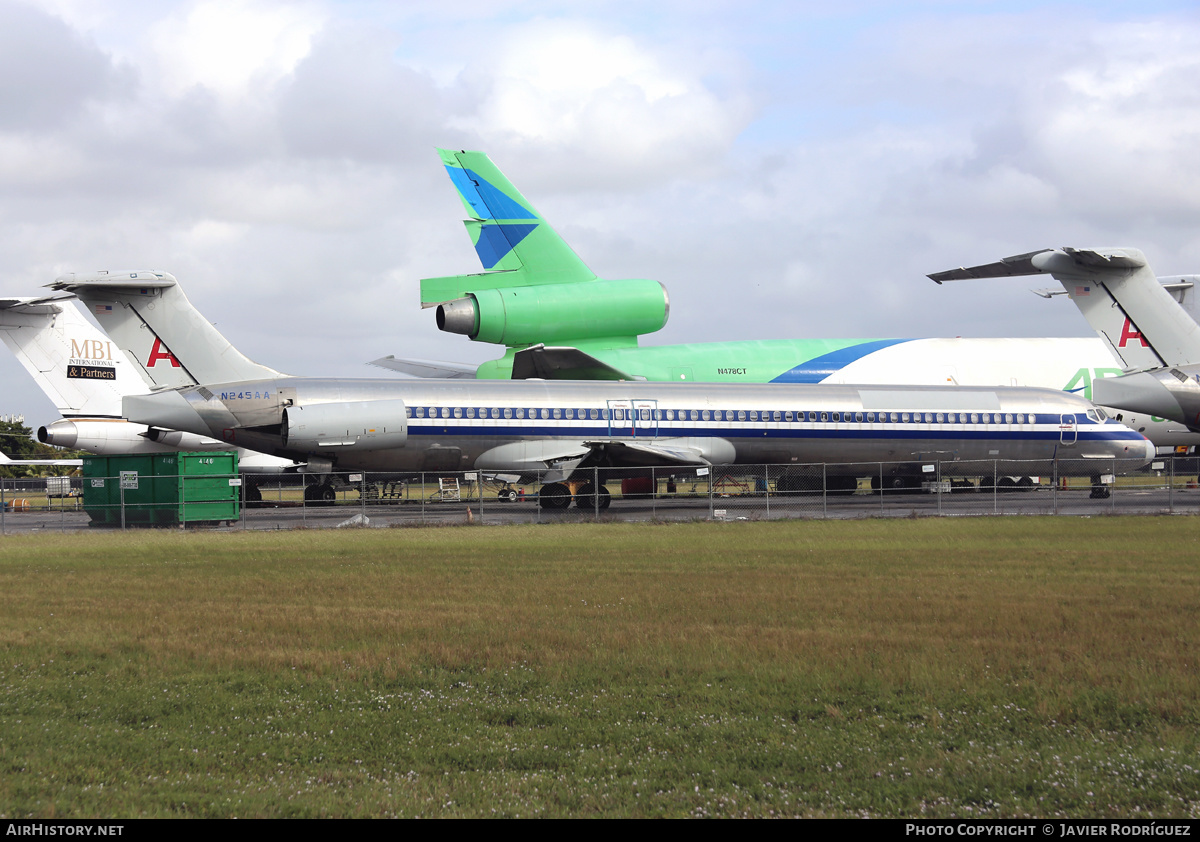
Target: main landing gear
<point x="557" y="495"/>
<point x="319" y="495"/>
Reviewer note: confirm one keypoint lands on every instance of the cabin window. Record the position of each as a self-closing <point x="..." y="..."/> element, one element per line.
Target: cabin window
<point x="741" y="415"/>
<point x="1008" y="419"/>
<point x="940" y="418"/>
<point x="904" y="416"/>
<point x="508" y="412"/>
<point x="974" y="418"/>
<point x="824" y="416"/>
<point x="458" y="412"/>
<point x="408" y="413"/>
<point x="858" y="416"/>
<point x="787" y="416"/>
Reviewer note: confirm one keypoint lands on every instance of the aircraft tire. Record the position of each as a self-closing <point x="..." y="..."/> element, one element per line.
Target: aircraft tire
<point x="508" y="495"/>
<point x="585" y="498"/>
<point x="1025" y="484"/>
<point x="1007" y="484"/>
<point x="253" y="494"/>
<point x="555" y="495"/>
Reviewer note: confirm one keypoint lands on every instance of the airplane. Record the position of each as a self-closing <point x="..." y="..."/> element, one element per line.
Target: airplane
<point x="1129" y="307"/>
<point x="557" y="320"/>
<point x="565" y="428"/>
<point x="86" y="375"/>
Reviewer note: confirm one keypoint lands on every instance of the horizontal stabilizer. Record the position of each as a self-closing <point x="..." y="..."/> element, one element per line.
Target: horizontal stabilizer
<point x="50" y="463"/>
<point x="1048" y="261"/>
<point x="1008" y="267"/>
<point x="540" y="362"/>
<point x="45" y="306"/>
<point x="433" y="369"/>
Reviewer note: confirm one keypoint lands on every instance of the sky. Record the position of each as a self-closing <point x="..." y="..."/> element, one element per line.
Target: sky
<point x="786" y="170"/>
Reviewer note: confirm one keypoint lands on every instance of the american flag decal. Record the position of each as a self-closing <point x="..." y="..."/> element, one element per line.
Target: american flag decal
<point x="102" y="309"/>
<point x="1083" y="290"/>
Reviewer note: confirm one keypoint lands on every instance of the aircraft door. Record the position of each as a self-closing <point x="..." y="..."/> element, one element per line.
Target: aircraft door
<point x="620" y="418"/>
<point x="645" y="419"/>
<point x="633" y="418"/>
<point x="1068" y="430"/>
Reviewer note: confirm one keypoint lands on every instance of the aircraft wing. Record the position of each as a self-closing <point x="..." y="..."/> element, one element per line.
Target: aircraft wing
<point x="540" y="362"/>
<point x="426" y="368"/>
<point x="648" y="454"/>
<point x="561" y="458"/>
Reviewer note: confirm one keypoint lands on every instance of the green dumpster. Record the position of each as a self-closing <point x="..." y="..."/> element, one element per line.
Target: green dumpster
<point x="161" y="489"/>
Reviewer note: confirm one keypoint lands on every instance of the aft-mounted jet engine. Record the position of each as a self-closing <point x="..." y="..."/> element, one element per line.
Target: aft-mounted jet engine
<point x="354" y="425"/>
<point x="557" y="312"/>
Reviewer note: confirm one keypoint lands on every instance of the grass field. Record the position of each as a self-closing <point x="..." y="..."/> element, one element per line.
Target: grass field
<point x="980" y="667"/>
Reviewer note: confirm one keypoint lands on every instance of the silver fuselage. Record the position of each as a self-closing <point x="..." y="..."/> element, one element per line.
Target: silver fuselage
<point x="518" y="425"/>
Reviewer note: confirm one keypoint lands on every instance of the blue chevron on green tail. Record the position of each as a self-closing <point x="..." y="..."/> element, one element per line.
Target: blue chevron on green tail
<point x="557" y="320"/>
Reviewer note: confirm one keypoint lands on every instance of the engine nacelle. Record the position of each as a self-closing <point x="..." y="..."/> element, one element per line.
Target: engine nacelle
<point x="355" y="425"/>
<point x="116" y="436"/>
<point x="557" y="312"/>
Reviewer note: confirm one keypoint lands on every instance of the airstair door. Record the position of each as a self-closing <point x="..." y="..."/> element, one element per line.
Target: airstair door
<point x="1068" y="430"/>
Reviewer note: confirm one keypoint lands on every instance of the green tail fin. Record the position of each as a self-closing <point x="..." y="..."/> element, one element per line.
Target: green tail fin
<point x="514" y="242"/>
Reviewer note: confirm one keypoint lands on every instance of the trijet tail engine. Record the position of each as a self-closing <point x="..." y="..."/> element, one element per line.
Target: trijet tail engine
<point x="354" y="425"/>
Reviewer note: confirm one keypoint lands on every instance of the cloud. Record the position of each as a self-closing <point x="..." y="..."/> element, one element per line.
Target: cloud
<point x="599" y="107"/>
<point x="49" y="72"/>
<point x="228" y="46"/>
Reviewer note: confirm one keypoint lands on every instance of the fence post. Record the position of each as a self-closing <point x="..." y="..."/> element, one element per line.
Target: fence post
<point x="824" y="491"/>
<point x="711" y="469"/>
<point x="653" y="494"/>
<point x="995" y="488"/>
<point x="1054" y="486"/>
<point x="938" y="486"/>
<point x="1171" y="487"/>
<point x="422" y="498"/>
<point x="767" y="487"/>
<point x="1112" y="494"/>
<point x="881" y="488"/>
<point x="3" y="505"/>
<point x="596" y="496"/>
<point x="479" y="485"/>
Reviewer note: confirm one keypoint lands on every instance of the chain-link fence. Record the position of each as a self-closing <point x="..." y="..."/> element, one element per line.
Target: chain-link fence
<point x="742" y="492"/>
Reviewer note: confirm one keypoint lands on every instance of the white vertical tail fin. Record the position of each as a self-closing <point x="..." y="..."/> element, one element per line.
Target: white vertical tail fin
<point x="83" y="372"/>
<point x="148" y="316"/>
<point x="1115" y="289"/>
